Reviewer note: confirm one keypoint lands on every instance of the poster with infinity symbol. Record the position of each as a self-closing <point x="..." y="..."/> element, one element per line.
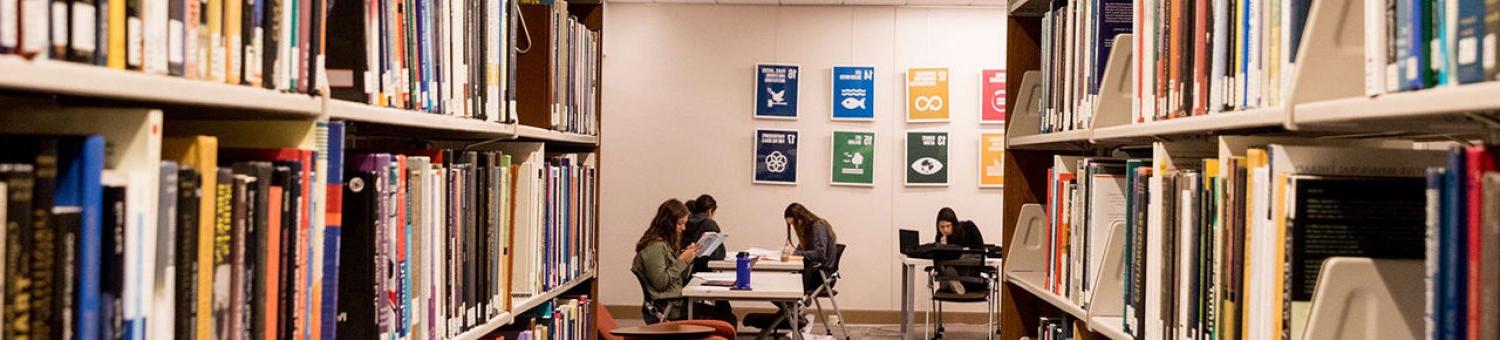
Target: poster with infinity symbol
<point x="927" y="95"/>
<point x="776" y="91"/>
<point x="926" y="158"/>
<point x="775" y="156"/>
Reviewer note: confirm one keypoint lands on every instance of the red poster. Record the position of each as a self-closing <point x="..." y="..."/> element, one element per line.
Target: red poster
<point x="992" y="109"/>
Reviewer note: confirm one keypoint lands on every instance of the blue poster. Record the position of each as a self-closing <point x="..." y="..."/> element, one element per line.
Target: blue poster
<point x="853" y="93"/>
<point x="776" y="91"/>
<point x="776" y="156"/>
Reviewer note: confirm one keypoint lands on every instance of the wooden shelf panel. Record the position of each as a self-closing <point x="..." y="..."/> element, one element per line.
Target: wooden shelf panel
<point x="339" y="109"/>
<point x="1050" y="141"/>
<point x="536" y="133"/>
<point x="1032" y="283"/>
<point x="1238" y="120"/>
<point x="82" y="80"/>
<point x="1110" y="327"/>
<point x="1028" y="8"/>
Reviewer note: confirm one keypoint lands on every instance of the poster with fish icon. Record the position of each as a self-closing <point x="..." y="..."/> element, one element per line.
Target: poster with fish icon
<point x="853" y="93"/>
<point x="776" y="91"/>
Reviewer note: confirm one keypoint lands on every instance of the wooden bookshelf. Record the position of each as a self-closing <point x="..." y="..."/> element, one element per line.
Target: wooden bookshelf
<point x="56" y="77"/>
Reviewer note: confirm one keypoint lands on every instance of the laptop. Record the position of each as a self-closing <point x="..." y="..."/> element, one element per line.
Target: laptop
<point x="910" y="239"/>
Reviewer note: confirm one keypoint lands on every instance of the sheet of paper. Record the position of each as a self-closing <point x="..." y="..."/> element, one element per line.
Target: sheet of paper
<point x="715" y="276"/>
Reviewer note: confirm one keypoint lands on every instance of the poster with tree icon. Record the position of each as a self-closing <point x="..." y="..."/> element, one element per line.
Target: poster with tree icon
<point x="775" y="156"/>
<point x="926" y="158"/>
<point x="853" y="158"/>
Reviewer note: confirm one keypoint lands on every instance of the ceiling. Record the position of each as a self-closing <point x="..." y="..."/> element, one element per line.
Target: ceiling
<point x="977" y="3"/>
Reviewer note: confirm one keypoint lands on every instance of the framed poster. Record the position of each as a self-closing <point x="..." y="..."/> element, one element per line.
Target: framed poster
<point x="992" y="159"/>
<point x="992" y="94"/>
<point x="927" y="95"/>
<point x="776" y="91"/>
<point x="775" y="156"/>
<point x="853" y="158"/>
<point x="853" y="93"/>
<point x="926" y="158"/>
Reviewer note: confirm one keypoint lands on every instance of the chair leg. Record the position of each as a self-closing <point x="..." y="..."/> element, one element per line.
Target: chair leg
<point x="840" y="313"/>
<point x="940" y="328"/>
<point x="822" y="317"/>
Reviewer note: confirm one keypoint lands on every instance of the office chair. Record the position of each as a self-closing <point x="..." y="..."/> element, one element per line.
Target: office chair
<point x="969" y="269"/>
<point x="649" y="310"/>
<point x="824" y="290"/>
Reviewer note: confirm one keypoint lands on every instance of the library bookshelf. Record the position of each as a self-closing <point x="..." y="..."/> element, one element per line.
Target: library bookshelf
<point x="133" y="110"/>
<point x="1324" y="100"/>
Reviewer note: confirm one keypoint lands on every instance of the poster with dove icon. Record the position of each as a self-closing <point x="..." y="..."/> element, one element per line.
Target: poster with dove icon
<point x="776" y="91"/>
<point x="853" y="93"/>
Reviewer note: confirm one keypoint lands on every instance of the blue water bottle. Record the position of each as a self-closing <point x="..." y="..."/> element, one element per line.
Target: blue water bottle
<point x="742" y="271"/>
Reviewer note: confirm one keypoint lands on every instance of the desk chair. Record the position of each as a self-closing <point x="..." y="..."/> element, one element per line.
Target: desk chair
<point x="824" y="290"/>
<point x="650" y="312"/>
<point x="969" y="269"/>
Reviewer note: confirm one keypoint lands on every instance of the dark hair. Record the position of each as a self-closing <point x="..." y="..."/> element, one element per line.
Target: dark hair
<point x="804" y="220"/>
<point x="692" y="205"/>
<point x="664" y="226"/>
<point x="947" y="214"/>
<point x="703" y="204"/>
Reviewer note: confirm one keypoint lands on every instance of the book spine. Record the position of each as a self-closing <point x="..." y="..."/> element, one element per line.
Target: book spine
<point x="1490" y="54"/>
<point x="1489" y="318"/>
<point x="133" y="37"/>
<point x="234" y="16"/>
<point x="176" y="18"/>
<point x="1431" y="317"/>
<point x="1452" y="247"/>
<point x="112" y="278"/>
<point x="222" y="240"/>
<point x="1470" y="30"/>
<point x="238" y="314"/>
<point x="1479" y="160"/>
<point x="19" y="182"/>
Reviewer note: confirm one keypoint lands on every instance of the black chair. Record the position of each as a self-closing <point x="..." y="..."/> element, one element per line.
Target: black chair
<point x="968" y="270"/>
<point x="824" y="290"/>
<point x="651" y="310"/>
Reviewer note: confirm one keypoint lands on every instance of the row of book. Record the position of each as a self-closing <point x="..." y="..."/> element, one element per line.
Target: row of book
<point x="275" y="44"/>
<point x="1419" y="44"/>
<point x="120" y="233"/>
<point x="565" y="318"/>
<point x="1199" y="57"/>
<point x="1229" y="242"/>
<point x="1463" y="246"/>
<point x="1057" y="328"/>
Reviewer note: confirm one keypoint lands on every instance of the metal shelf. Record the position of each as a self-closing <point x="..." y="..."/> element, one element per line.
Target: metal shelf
<point x="1030" y="281"/>
<point x="1054" y="140"/>
<point x="1196" y="125"/>
<point x="536" y="133"/>
<point x="439" y="123"/>
<point x="83" y="80"/>
<point x="1111" y="327"/>
<point x="1436" y="109"/>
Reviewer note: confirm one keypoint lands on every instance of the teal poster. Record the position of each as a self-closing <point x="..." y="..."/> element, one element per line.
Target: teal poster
<point x="776" y="156"/>
<point x="853" y="158"/>
<point x="776" y="91"/>
<point x="926" y="158"/>
<point x="853" y="93"/>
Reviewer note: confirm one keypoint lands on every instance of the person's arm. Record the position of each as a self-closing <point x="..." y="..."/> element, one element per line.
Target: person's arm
<point x="816" y="250"/>
<point x="975" y="238"/>
<point x="662" y="270"/>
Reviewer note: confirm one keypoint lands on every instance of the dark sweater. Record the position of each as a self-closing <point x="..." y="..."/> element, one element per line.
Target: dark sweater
<point x="818" y="254"/>
<point x="697" y="225"/>
<point x="965" y="234"/>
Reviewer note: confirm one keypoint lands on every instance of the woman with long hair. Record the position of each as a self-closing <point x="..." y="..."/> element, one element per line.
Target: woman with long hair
<point x="950" y="230"/>
<point x="817" y="244"/>
<point x="662" y="266"/>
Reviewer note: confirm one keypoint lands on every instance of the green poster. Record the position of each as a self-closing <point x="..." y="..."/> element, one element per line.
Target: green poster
<point x="853" y="158"/>
<point x="926" y="158"/>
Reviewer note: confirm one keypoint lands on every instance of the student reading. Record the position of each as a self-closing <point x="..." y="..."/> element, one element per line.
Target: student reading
<point x="663" y="266"/>
<point x="703" y="210"/>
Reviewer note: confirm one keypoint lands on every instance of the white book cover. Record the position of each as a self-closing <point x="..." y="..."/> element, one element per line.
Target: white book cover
<point x="1153" y="327"/>
<point x="1106" y="209"/>
<point x="1187" y="255"/>
<point x="1375" y="62"/>
<point x="1221" y="41"/>
<point x="492" y="61"/>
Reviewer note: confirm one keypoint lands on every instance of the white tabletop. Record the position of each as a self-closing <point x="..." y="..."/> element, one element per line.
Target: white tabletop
<point x="762" y="265"/>
<point x="763" y="286"/>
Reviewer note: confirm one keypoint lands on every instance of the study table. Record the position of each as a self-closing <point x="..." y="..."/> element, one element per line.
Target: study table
<point x="779" y="288"/>
<point x="761" y="265"/>
<point x="908" y="269"/>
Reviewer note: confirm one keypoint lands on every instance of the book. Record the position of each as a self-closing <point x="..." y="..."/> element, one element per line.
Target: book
<point x="188" y="201"/>
<point x="1489" y="318"/>
<point x="202" y="154"/>
<point x="112" y="258"/>
<point x="1469" y="30"/>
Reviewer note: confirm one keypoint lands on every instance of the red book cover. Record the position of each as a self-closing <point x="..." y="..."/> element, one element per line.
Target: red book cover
<point x="301" y="260"/>
<point x="1052" y="204"/>
<point x="1174" y="58"/>
<point x="272" y="274"/>
<point x="1201" y="56"/>
<point x="1479" y="161"/>
<point x="1062" y="232"/>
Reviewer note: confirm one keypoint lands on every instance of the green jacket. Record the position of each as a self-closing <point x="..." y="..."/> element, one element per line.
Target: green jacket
<point x="661" y="274"/>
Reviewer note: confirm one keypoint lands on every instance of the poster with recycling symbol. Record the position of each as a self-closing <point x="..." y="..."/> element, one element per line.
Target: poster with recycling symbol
<point x="853" y="93"/>
<point x="853" y="158"/>
<point x="926" y="158"/>
<point x="775" y="156"/>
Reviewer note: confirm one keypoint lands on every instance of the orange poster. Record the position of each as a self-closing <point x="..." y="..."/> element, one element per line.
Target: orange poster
<point x="927" y="94"/>
<point x="992" y="159"/>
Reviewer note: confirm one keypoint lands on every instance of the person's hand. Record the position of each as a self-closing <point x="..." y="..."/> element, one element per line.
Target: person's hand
<point x="787" y="252"/>
<point x="688" y="253"/>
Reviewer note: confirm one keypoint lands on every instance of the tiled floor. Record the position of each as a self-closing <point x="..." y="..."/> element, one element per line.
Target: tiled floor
<point x="873" y="332"/>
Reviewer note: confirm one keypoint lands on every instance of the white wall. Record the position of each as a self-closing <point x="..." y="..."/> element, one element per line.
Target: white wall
<point x="679" y="86"/>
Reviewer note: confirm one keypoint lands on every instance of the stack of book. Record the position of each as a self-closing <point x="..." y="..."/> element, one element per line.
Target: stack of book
<point x="564" y="318"/>
<point x="565" y="65"/>
<point x="561" y="191"/>
<point x="1057" y="328"/>
<point x="275" y="44"/>
<point x="1083" y="211"/>
<point x="1077" y="37"/>
<point x="1463" y="235"/>
<point x="1418" y="44"/>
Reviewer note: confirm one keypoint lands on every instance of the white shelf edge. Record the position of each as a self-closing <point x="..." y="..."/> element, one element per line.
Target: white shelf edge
<point x="531" y="132"/>
<point x="1252" y="118"/>
<point x="485" y="329"/>
<point x="1110" y="327"/>
<point x="84" y="80"/>
<point x="1067" y="306"/>
<point x="537" y="300"/>
<point x="1079" y="135"/>
<point x="347" y="110"/>
<point x="1412" y="104"/>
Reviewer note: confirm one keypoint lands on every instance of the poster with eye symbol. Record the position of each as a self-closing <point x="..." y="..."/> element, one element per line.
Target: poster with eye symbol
<point x="926" y="158"/>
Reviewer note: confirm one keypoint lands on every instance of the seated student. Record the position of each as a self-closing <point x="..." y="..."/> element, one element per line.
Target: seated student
<point x="816" y="244"/>
<point x="951" y="231"/>
<point x="664" y="273"/>
<point x="703" y="210"/>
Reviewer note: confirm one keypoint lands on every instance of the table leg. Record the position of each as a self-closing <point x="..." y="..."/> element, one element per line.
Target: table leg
<point x="906" y="300"/>
<point x="794" y="310"/>
<point x="689" y="309"/>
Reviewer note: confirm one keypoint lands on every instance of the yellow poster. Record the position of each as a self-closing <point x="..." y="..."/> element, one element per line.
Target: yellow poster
<point x="992" y="159"/>
<point x="927" y="94"/>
